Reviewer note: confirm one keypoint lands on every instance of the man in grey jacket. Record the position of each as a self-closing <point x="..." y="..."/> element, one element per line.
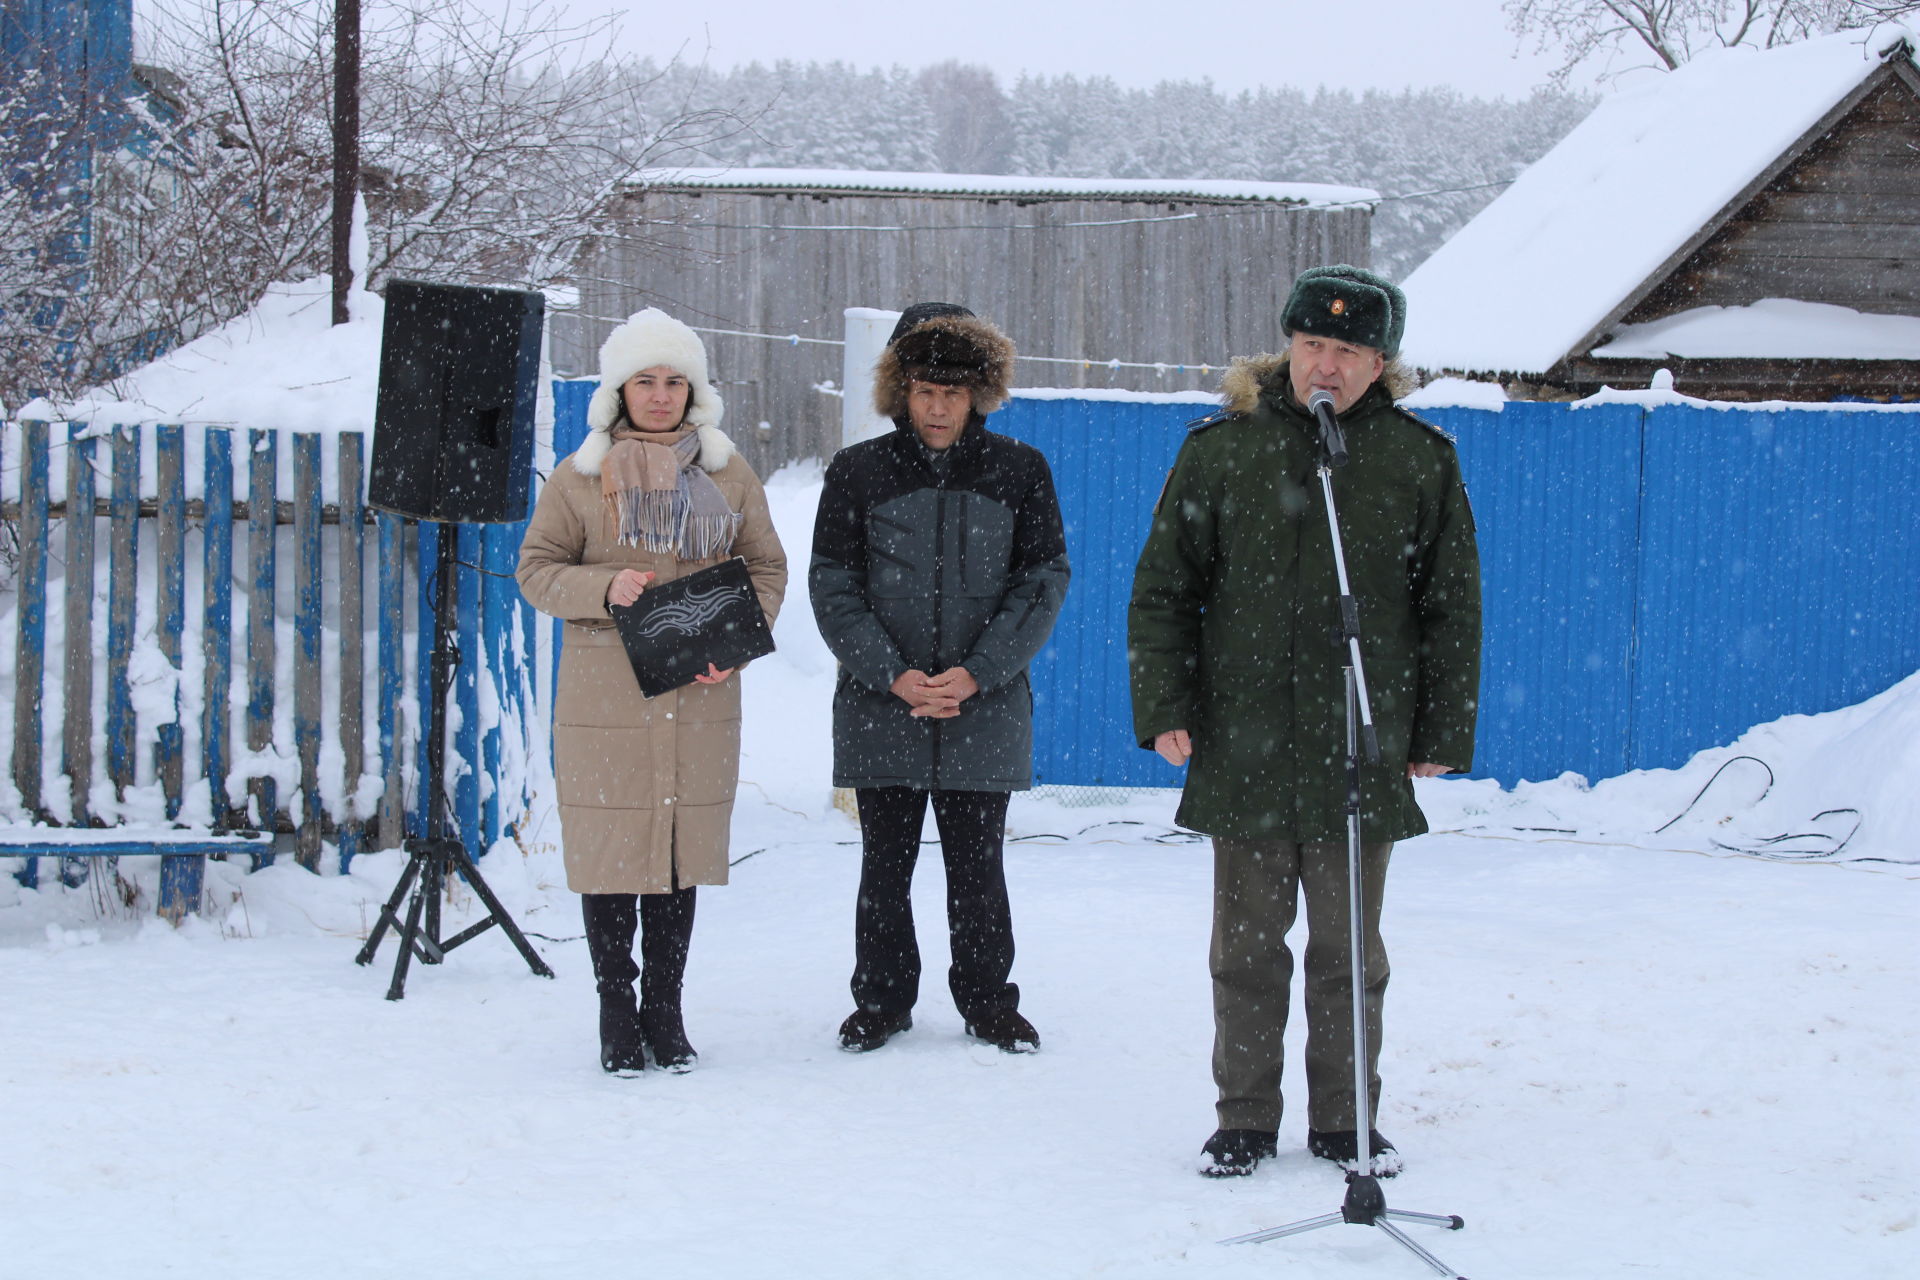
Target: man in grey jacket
<point x="939" y="567"/>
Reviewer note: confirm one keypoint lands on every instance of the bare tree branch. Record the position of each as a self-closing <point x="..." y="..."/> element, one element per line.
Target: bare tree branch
<point x="1674" y="31"/>
<point x="490" y="142"/>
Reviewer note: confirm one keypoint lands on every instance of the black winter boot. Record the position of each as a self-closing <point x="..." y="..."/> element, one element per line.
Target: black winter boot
<point x="611" y="920"/>
<point x="1006" y="1029"/>
<point x="666" y="930"/>
<point x="1234" y="1153"/>
<point x="1343" y="1148"/>
<point x="867" y="1029"/>
<point x="623" y="1049"/>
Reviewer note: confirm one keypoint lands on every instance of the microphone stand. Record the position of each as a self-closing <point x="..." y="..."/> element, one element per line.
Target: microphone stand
<point x="1365" y="1204"/>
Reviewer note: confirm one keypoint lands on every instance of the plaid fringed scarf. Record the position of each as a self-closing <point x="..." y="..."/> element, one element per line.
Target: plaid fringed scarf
<point x="658" y="497"/>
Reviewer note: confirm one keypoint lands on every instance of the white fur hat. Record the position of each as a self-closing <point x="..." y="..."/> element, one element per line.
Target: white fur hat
<point x="649" y="338"/>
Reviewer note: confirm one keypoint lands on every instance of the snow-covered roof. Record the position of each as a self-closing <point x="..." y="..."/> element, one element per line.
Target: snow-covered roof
<point x="1770" y="328"/>
<point x="1546" y="263"/>
<point x="988" y="184"/>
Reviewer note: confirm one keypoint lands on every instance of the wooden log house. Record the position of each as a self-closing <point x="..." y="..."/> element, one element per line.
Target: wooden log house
<point x="1750" y="222"/>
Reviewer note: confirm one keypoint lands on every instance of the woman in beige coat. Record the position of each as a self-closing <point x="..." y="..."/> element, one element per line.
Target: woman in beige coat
<point x="645" y="785"/>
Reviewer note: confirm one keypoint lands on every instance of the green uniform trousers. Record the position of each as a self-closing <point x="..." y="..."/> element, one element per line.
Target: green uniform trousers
<point x="1256" y="890"/>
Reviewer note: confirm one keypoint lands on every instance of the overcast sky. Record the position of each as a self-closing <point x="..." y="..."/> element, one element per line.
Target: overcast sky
<point x="1239" y="44"/>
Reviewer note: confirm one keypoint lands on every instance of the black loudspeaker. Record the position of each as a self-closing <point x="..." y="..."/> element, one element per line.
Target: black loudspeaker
<point x="453" y="425"/>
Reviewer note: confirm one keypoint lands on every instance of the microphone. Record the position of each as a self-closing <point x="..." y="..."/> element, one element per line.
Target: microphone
<point x="1333" y="441"/>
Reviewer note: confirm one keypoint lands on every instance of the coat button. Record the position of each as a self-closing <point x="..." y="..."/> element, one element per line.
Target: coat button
<point x="668" y="800"/>
<point x="669" y="715"/>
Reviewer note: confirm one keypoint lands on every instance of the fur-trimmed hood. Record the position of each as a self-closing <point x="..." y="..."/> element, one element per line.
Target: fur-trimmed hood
<point x="960" y="351"/>
<point x="716" y="449"/>
<point x="1248" y="376"/>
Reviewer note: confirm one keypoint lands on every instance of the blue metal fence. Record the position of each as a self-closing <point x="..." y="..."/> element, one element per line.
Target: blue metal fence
<point x="1656" y="580"/>
<point x="1556" y="502"/>
<point x="1780" y="568"/>
<point x="1556" y="497"/>
<point x="1109" y="460"/>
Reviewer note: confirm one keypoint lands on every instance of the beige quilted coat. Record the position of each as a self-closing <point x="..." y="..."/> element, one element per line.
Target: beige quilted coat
<point x="645" y="785"/>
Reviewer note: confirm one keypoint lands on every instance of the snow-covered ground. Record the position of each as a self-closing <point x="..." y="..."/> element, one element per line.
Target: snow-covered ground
<point x="1615" y="1050"/>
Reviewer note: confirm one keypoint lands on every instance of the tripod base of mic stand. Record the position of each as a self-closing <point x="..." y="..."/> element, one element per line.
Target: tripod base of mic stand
<point x="1366" y="1206"/>
<point x="428" y="862"/>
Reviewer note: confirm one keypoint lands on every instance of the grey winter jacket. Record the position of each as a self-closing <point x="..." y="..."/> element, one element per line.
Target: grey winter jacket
<point x="924" y="568"/>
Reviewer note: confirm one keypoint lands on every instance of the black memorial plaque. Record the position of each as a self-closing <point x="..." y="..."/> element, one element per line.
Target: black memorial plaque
<point x="675" y="629"/>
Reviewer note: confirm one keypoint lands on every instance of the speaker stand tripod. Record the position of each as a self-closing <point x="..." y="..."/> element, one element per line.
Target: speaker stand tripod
<point x="432" y="857"/>
<point x="1365" y="1203"/>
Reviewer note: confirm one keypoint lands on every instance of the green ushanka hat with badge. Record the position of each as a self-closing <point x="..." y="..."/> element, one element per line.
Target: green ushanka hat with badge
<point x="1348" y="304"/>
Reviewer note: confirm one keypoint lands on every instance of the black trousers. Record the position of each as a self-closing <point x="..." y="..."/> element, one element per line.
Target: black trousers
<point x="886" y="968"/>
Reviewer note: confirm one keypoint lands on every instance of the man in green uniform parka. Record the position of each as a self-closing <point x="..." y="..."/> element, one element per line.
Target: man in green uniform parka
<point x="1236" y="658"/>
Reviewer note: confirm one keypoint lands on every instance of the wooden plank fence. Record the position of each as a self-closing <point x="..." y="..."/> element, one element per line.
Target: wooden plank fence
<point x="340" y="759"/>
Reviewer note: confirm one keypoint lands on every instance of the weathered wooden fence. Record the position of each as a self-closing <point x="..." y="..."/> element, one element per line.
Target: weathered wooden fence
<point x="1058" y="266"/>
<point x="272" y="679"/>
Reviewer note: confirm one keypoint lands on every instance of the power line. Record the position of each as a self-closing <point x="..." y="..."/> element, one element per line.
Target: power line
<point x="1085" y="362"/>
<point x="791" y="339"/>
<point x="1448" y="191"/>
<point x="1160" y="366"/>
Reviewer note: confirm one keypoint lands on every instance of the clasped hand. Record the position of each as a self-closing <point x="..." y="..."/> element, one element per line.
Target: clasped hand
<point x="935" y="697"/>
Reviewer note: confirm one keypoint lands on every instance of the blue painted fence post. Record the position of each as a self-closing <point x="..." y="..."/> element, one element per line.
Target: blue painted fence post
<point x="500" y="620"/>
<point x="76" y="751"/>
<point x="262" y="515"/>
<point x="170" y="541"/>
<point x="123" y="575"/>
<point x="306" y="633"/>
<point x="393" y="651"/>
<point x="217" y="622"/>
<point x="31" y="643"/>
<point x="352" y="646"/>
<point x="427" y="542"/>
<point x="465" y="743"/>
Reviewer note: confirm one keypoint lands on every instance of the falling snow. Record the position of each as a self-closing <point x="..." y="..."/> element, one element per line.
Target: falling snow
<point x="1629" y="1034"/>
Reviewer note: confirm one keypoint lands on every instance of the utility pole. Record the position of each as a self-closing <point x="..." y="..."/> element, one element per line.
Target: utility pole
<point x="346" y="146"/>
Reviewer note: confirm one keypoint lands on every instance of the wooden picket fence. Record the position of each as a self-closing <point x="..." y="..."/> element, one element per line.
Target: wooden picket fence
<point x="239" y="775"/>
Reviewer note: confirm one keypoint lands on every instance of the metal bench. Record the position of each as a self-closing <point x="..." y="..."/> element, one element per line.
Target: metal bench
<point x="183" y="854"/>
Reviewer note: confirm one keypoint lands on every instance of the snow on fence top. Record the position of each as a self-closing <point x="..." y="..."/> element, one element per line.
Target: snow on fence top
<point x="1533" y="275"/>
<point x="984" y="185"/>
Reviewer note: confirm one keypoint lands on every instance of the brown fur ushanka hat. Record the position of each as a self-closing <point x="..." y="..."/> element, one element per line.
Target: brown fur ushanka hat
<point x="952" y="350"/>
